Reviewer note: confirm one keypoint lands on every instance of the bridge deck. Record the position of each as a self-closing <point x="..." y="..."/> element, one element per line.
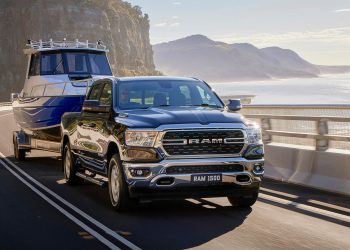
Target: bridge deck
<point x="286" y="216"/>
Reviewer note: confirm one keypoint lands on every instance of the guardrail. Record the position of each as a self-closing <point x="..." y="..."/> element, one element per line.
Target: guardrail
<point x="322" y="137"/>
<point x="2" y="104"/>
<point x="321" y="126"/>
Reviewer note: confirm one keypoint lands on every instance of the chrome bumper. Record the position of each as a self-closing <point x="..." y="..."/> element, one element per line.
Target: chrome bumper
<point x="158" y="171"/>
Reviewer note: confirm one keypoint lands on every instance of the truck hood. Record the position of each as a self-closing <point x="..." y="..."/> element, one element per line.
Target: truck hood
<point x="155" y="117"/>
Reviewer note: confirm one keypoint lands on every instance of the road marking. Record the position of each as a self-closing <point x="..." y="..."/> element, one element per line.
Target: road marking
<point x="305" y="207"/>
<point x="62" y="210"/>
<point x="74" y="208"/>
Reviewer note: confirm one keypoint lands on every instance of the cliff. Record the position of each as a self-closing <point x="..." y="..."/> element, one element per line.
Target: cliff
<point x="201" y="57"/>
<point x="122" y="27"/>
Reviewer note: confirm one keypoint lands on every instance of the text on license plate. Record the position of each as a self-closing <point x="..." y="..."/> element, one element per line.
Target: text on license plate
<point x="206" y="178"/>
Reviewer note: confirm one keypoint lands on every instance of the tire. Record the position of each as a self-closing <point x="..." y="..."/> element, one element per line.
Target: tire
<point x="117" y="186"/>
<point x="20" y="154"/>
<point x="69" y="168"/>
<point x="243" y="201"/>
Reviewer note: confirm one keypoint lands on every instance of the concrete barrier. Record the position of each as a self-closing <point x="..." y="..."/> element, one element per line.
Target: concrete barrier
<point x="328" y="170"/>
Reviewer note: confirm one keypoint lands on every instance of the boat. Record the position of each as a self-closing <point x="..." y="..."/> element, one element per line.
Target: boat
<point x="59" y="74"/>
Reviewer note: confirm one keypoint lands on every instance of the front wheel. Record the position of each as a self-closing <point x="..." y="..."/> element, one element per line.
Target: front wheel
<point x="243" y="201"/>
<point x="117" y="186"/>
<point x="69" y="168"/>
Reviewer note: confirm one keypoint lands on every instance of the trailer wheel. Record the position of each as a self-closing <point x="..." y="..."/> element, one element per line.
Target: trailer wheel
<point x="69" y="168"/>
<point x="20" y="154"/>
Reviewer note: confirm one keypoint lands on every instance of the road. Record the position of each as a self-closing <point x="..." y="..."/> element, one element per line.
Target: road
<point x="39" y="211"/>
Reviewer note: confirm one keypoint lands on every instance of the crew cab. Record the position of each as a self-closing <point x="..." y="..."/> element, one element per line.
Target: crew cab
<point x="162" y="137"/>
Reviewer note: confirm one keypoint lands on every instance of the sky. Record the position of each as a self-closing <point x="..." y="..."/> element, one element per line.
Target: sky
<point x="318" y="30"/>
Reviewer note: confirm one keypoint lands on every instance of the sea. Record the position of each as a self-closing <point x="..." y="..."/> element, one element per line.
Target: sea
<point x="327" y="89"/>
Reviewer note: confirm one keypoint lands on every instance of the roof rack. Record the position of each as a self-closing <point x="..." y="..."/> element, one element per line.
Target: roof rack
<point x="37" y="45"/>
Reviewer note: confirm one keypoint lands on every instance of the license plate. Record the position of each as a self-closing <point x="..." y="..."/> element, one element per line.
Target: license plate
<point x="206" y="178"/>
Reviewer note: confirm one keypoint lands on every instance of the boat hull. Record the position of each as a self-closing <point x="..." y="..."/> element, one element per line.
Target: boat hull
<point x="42" y="115"/>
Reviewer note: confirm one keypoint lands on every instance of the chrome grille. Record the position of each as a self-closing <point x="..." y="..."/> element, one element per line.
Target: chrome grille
<point x="204" y="169"/>
<point x="209" y="142"/>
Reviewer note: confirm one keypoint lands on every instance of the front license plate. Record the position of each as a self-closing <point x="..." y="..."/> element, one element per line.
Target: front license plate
<point x="206" y="178"/>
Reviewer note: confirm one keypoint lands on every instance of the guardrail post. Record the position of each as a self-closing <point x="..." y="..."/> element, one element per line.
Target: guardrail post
<point x="322" y="129"/>
<point x="266" y="125"/>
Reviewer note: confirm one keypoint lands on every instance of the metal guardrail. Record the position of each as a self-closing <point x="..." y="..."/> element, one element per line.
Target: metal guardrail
<point x="322" y="137"/>
<point x="2" y="104"/>
<point x="322" y="126"/>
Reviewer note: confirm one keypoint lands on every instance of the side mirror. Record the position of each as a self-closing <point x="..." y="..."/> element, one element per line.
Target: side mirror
<point x="234" y="105"/>
<point x="14" y="96"/>
<point x="95" y="107"/>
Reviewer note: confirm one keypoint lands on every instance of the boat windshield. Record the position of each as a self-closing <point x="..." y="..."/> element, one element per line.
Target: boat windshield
<point x="74" y="62"/>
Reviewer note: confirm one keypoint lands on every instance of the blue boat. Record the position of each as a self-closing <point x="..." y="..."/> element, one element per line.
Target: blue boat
<point x="58" y="77"/>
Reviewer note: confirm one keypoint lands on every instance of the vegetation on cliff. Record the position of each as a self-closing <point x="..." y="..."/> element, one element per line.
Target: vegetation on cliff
<point x="121" y="26"/>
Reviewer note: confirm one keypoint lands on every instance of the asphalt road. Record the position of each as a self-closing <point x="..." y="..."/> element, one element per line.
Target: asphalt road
<point x="39" y="211"/>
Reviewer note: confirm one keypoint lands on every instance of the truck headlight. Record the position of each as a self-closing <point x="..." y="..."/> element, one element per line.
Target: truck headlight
<point x="254" y="134"/>
<point x="140" y="138"/>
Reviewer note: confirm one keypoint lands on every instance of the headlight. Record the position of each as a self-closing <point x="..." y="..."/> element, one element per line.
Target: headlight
<point x="254" y="134"/>
<point x="140" y="138"/>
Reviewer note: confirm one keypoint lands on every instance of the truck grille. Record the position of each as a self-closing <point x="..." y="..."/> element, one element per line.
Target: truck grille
<point x="203" y="142"/>
<point x="204" y="169"/>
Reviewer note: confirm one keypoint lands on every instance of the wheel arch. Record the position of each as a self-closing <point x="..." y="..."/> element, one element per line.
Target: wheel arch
<point x="111" y="150"/>
<point x="65" y="140"/>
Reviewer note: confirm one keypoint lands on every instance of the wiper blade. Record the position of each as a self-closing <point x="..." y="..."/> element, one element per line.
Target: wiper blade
<point x="163" y="105"/>
<point x="207" y="105"/>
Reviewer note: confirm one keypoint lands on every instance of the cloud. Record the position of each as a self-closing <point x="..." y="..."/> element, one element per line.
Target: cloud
<point x="175" y="17"/>
<point x="177" y="3"/>
<point x="164" y="24"/>
<point x="339" y="35"/>
<point x="342" y="10"/>
<point x="174" y="24"/>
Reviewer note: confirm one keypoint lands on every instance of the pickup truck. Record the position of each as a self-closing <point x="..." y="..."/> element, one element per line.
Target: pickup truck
<point x="162" y="137"/>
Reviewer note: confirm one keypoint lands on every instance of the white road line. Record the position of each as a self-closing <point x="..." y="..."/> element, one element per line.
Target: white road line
<point x="74" y="208"/>
<point x="62" y="210"/>
<point x="306" y="207"/>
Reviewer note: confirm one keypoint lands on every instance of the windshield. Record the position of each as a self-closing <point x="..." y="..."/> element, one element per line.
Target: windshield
<point x="74" y="62"/>
<point x="162" y="93"/>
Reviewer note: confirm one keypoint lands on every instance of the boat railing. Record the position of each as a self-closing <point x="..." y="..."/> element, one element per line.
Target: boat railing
<point x="79" y="87"/>
<point x="64" y="44"/>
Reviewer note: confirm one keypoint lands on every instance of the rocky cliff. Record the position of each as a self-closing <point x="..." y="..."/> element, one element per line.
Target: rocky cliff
<point x="122" y="27"/>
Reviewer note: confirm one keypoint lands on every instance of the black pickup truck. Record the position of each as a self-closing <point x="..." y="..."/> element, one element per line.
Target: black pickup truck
<point x="162" y="137"/>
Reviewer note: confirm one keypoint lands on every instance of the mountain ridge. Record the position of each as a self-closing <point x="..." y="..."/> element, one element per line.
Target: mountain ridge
<point x="218" y="61"/>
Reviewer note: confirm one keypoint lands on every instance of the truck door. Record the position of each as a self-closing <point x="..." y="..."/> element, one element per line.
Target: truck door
<point x="88" y="134"/>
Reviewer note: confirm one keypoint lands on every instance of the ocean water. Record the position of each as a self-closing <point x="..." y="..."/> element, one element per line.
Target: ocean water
<point x="328" y="89"/>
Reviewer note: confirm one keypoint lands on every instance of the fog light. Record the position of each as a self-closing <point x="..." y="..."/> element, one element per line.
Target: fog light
<point x="258" y="169"/>
<point x="140" y="172"/>
<point x="254" y="152"/>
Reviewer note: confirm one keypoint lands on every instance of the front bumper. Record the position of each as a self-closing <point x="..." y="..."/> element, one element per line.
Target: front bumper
<point x="181" y="184"/>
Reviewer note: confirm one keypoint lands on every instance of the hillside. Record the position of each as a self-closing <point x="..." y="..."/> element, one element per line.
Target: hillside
<point x="122" y="27"/>
<point x="199" y="56"/>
